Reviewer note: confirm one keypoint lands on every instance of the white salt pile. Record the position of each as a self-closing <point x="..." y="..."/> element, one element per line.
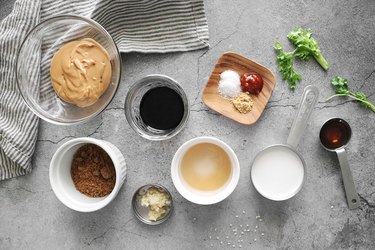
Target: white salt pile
<point x="229" y="85"/>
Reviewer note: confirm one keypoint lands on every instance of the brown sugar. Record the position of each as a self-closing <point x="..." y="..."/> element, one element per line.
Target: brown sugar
<point x="92" y="171"/>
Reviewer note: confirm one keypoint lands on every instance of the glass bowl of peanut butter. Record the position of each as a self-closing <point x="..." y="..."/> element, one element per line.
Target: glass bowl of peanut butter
<point x="68" y="69"/>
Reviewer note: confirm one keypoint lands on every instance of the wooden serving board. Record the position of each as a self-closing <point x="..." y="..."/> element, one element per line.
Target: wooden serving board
<point x="240" y="64"/>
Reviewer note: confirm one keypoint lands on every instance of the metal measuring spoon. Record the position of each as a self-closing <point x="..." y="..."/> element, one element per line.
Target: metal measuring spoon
<point x="278" y="171"/>
<point x="334" y="136"/>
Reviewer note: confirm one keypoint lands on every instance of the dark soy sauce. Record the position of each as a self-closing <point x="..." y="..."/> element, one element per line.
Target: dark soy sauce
<point x="335" y="133"/>
<point x="162" y="108"/>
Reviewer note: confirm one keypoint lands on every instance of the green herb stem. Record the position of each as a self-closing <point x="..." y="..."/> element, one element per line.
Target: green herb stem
<point x="351" y="95"/>
<point x="322" y="61"/>
<point x="337" y="95"/>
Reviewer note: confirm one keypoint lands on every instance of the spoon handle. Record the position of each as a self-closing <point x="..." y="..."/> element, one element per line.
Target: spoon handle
<point x="309" y="98"/>
<point x="351" y="193"/>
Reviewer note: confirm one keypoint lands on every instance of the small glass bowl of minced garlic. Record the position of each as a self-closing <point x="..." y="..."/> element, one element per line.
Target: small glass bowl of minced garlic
<point x="152" y="204"/>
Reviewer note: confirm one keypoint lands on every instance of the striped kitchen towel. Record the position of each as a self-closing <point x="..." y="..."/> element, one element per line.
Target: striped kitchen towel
<point x="147" y="26"/>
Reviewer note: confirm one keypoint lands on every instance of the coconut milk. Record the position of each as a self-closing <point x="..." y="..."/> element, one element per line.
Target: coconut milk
<point x="277" y="173"/>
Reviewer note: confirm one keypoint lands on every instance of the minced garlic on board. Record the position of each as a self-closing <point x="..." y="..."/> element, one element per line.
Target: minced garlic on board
<point x="243" y="102"/>
<point x="157" y="201"/>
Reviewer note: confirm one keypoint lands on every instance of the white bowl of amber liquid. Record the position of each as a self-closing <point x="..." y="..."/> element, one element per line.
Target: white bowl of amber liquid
<point x="62" y="182"/>
<point x="205" y="170"/>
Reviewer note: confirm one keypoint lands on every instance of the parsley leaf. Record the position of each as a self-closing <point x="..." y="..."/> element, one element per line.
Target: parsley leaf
<point x="285" y="65"/>
<point x="339" y="81"/>
<point x="341" y="85"/>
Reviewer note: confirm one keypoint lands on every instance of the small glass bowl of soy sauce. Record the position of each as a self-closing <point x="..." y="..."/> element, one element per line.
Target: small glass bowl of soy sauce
<point x="157" y="107"/>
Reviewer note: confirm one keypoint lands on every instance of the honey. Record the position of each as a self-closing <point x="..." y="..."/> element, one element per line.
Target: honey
<point x="335" y="133"/>
<point x="206" y="167"/>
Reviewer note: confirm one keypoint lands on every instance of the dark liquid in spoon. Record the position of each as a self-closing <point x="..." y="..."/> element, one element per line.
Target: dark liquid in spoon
<point x="335" y="133"/>
<point x="162" y="108"/>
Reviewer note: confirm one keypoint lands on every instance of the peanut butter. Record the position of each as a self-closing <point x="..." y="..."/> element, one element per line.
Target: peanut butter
<point x="81" y="72"/>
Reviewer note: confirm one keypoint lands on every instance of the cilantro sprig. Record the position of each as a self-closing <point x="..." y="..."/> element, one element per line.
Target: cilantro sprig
<point x="342" y="89"/>
<point x="306" y="48"/>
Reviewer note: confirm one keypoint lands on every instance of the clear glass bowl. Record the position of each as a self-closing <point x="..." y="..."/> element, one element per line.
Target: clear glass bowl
<point x="142" y="212"/>
<point x="33" y="68"/>
<point x="133" y="101"/>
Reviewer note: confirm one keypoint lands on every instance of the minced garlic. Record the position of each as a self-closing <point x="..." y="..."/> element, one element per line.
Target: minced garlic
<point x="243" y="103"/>
<point x="157" y="201"/>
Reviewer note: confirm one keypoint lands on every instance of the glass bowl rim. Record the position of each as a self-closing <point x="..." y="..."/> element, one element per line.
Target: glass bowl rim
<point x="174" y="131"/>
<point x="144" y="219"/>
<point x="47" y="22"/>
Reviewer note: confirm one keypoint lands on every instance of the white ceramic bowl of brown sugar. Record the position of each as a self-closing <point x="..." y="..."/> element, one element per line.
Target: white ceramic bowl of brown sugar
<point x="99" y="185"/>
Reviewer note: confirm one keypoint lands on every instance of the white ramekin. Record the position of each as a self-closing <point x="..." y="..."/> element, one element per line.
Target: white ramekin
<point x="203" y="197"/>
<point x="62" y="183"/>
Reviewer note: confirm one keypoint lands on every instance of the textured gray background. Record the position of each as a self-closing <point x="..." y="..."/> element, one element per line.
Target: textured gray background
<point x="31" y="217"/>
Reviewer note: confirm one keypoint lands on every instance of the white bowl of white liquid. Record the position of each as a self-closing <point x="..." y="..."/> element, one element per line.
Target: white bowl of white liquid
<point x="278" y="172"/>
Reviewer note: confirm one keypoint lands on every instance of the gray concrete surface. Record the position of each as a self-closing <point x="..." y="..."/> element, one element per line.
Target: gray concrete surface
<point x="317" y="218"/>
